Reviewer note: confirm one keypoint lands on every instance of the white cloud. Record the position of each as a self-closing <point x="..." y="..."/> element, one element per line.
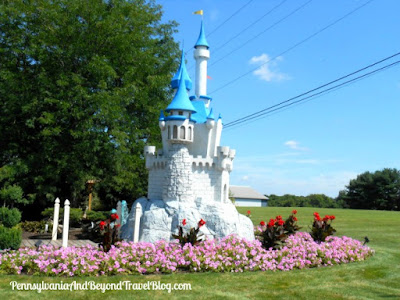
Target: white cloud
<point x="267" y="71"/>
<point x="245" y="178"/>
<point x="295" y="146"/>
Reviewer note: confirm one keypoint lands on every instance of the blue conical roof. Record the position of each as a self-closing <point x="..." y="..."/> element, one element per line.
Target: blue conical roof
<point x="201" y="41"/>
<point x="181" y="73"/>
<point x="181" y="100"/>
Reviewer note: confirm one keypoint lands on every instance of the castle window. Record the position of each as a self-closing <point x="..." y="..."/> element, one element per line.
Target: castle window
<point x="175" y="132"/>
<point x="181" y="113"/>
<point x="169" y="132"/>
<point x="182" y="133"/>
<point x="190" y="138"/>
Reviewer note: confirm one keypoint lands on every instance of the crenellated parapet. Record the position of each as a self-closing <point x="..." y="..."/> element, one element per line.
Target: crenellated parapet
<point x="154" y="160"/>
<point x="225" y="157"/>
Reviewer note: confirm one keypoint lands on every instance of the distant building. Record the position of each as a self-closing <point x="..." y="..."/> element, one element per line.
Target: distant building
<point x="246" y="196"/>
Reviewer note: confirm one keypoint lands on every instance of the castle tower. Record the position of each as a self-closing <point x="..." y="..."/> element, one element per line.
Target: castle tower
<point x="177" y="183"/>
<point x="189" y="176"/>
<point x="201" y="55"/>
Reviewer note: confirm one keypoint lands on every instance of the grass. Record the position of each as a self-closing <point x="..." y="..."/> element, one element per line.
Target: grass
<point x="376" y="278"/>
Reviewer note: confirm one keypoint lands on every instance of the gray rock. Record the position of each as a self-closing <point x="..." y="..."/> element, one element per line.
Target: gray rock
<point x="159" y="220"/>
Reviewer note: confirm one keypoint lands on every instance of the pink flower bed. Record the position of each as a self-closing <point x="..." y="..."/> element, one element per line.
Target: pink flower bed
<point x="230" y="254"/>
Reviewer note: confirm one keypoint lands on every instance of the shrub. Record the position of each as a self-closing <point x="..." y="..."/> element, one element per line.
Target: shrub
<point x="192" y="237"/>
<point x="274" y="234"/>
<point x="75" y="215"/>
<point x="9" y="217"/>
<point x="322" y="228"/>
<point x="33" y="226"/>
<point x="94" y="216"/>
<point x="290" y="225"/>
<point x="109" y="230"/>
<point x="10" y="238"/>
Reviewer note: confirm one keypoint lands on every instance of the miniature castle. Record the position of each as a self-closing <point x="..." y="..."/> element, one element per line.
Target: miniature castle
<point x="189" y="176"/>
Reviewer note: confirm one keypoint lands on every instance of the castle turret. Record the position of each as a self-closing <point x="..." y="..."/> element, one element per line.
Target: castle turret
<point x="201" y="55"/>
<point x="179" y="124"/>
<point x="181" y="74"/>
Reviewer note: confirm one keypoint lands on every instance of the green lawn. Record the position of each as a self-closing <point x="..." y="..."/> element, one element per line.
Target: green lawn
<point x="376" y="278"/>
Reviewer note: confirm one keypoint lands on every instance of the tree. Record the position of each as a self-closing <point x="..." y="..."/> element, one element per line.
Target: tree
<point x="379" y="190"/>
<point x="81" y="86"/>
<point x="312" y="200"/>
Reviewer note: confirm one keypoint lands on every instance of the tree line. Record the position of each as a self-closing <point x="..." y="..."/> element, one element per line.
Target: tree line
<point x="378" y="190"/>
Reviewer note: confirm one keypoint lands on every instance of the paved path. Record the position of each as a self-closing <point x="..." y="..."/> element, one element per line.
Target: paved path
<point x="58" y="243"/>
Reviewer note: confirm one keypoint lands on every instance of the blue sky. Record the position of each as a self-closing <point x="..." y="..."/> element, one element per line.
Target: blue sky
<point x="318" y="146"/>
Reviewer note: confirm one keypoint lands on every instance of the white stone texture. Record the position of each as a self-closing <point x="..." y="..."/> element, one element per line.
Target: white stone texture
<point x="160" y="220"/>
<point x="178" y="175"/>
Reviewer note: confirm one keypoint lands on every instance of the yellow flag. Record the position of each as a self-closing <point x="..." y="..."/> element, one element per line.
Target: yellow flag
<point x="198" y="12"/>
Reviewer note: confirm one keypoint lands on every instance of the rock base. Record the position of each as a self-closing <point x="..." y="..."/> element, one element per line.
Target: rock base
<point x="160" y="220"/>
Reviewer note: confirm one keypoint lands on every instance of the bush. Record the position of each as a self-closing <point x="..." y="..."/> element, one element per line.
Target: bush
<point x="75" y="215"/>
<point x="192" y="237"/>
<point x="10" y="238"/>
<point x="94" y="216"/>
<point x="9" y="217"/>
<point x="274" y="234"/>
<point x="322" y="228"/>
<point x="33" y="226"/>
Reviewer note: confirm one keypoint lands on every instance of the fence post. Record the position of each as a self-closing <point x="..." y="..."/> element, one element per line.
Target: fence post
<point x="138" y="215"/>
<point x="66" y="224"/>
<point x="55" y="219"/>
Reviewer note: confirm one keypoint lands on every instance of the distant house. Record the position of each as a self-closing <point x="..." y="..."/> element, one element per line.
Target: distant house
<point x="246" y="196"/>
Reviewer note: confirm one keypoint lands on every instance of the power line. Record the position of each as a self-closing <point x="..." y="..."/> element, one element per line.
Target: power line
<point x="230" y="17"/>
<point x="317" y="88"/>
<point x="279" y="106"/>
<point x="249" y="26"/>
<point x="262" y="32"/>
<point x="219" y="26"/>
<point x="293" y="47"/>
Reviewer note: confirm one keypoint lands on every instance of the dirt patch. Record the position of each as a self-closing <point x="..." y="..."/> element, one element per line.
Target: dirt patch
<point x="73" y="234"/>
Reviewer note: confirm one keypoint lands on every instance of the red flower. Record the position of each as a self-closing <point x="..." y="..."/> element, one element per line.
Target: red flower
<point x="294" y="218"/>
<point x="262" y="223"/>
<point x="102" y="224"/>
<point x="281" y="222"/>
<point x="114" y="217"/>
<point x="332" y="217"/>
<point x="317" y="218"/>
<point x="316" y="214"/>
<point x="248" y="212"/>
<point x="279" y="217"/>
<point x="271" y="223"/>
<point x="326" y="218"/>
<point x="201" y="222"/>
<point x="184" y="222"/>
<point x="294" y="211"/>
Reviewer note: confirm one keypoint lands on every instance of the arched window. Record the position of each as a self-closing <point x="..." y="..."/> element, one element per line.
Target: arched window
<point x="169" y="132"/>
<point x="175" y="132"/>
<point x="190" y="133"/>
<point x="182" y="133"/>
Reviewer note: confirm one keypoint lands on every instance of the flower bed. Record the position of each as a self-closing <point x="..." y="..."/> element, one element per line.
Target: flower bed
<point x="230" y="254"/>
